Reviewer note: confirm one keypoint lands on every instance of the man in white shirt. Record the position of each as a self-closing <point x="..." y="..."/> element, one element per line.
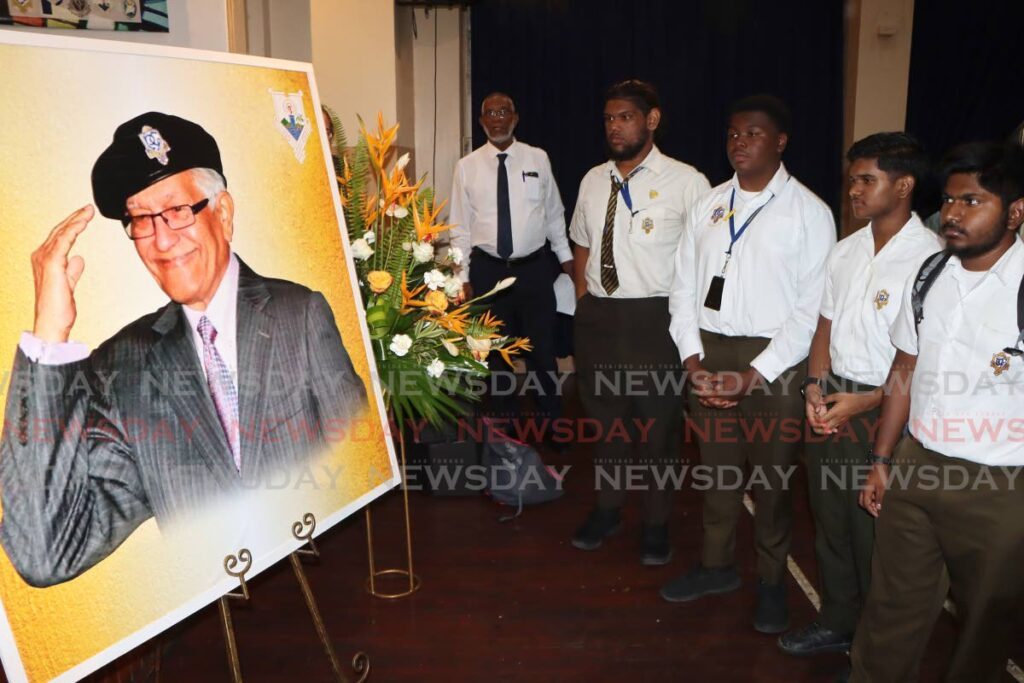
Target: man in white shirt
<point x="749" y="275"/>
<point x="955" y="502"/>
<point x="850" y="357"/>
<point x="629" y="217"/>
<point x="505" y="209"/>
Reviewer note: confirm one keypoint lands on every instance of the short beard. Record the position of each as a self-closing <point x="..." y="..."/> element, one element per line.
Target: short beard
<point x="628" y="152"/>
<point x="978" y="250"/>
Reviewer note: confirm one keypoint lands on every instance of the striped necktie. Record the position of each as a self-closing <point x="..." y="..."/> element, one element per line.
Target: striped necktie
<point x="609" y="275"/>
<point x="222" y="388"/>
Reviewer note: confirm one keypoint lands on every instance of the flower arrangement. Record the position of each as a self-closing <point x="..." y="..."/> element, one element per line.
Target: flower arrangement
<point x="429" y="343"/>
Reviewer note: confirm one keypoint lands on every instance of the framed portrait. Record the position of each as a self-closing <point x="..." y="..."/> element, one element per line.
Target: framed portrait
<point x="215" y="383"/>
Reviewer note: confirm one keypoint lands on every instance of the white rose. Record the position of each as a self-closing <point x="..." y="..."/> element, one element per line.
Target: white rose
<point x="361" y="249"/>
<point x="422" y="252"/>
<point x="456" y="255"/>
<point x="396" y="211"/>
<point x="435" y="368"/>
<point x="406" y="246"/>
<point x="400" y="344"/>
<point x="452" y="287"/>
<point x="370" y="236"/>
<point x="434" y="279"/>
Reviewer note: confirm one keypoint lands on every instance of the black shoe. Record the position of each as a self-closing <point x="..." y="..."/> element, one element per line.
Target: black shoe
<point x="656" y="549"/>
<point x="701" y="581"/>
<point x="844" y="675"/>
<point x="771" y="614"/>
<point x="814" y="639"/>
<point x="600" y="525"/>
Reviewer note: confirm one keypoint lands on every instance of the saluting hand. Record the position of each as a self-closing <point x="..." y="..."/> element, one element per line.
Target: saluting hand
<point x="56" y="275"/>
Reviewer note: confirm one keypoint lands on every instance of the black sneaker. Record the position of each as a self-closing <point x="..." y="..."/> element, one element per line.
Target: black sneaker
<point x="656" y="549"/>
<point x="600" y="525"/>
<point x="701" y="581"/>
<point x="814" y="639"/>
<point x="771" y="614"/>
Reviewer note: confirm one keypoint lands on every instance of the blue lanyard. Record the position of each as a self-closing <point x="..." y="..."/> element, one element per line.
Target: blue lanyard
<point x="733" y="233"/>
<point x="624" y="189"/>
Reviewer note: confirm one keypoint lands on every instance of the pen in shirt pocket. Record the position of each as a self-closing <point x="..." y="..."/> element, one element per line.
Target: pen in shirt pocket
<point x="530" y="174"/>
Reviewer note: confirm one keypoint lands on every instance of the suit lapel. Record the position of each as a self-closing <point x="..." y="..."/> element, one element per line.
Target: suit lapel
<point x="174" y="356"/>
<point x="255" y="349"/>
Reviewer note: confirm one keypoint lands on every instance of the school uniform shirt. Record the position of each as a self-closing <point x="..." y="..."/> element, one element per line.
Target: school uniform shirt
<point x="662" y="191"/>
<point x="774" y="279"/>
<point x="967" y="394"/>
<point x="863" y="293"/>
<point x="534" y="203"/>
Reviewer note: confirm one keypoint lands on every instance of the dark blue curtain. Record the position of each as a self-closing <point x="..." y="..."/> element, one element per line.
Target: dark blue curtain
<point x="966" y="72"/>
<point x="556" y="57"/>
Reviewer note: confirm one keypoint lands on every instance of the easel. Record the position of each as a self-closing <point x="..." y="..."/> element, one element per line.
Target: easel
<point x="238" y="565"/>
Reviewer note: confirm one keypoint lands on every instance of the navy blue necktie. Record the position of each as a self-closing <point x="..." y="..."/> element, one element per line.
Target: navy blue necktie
<point x="504" y="211"/>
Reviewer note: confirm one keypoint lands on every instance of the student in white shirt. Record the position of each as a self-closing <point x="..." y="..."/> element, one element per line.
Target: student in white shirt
<point x="850" y="357"/>
<point x="955" y="501"/>
<point x="506" y="210"/>
<point x="629" y="218"/>
<point x="749" y="276"/>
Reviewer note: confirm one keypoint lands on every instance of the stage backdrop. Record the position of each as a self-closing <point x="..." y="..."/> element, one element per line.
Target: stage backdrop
<point x="556" y="58"/>
<point x="63" y="98"/>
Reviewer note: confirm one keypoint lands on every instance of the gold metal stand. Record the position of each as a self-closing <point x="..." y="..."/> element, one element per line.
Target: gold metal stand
<point x="244" y="558"/>
<point x="413" y="580"/>
<point x="303" y="531"/>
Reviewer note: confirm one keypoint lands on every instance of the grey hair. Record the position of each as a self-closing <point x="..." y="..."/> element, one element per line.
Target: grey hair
<point x="210" y="183"/>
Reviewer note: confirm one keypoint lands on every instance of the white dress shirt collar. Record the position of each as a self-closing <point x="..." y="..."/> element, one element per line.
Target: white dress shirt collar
<point x="654" y="162"/>
<point x="492" y="150"/>
<point x="774" y="186"/>
<point x="223" y="307"/>
<point x="1000" y="267"/>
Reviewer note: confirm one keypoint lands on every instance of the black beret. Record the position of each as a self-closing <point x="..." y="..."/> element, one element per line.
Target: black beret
<point x="145" y="150"/>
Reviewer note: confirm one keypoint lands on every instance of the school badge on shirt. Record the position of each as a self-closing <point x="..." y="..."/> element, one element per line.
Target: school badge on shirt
<point x="647" y="225"/>
<point x="718" y="214"/>
<point x="881" y="299"/>
<point x="1000" y="363"/>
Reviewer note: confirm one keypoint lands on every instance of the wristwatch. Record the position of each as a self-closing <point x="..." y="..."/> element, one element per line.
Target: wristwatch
<point x="808" y="381"/>
<point x="879" y="459"/>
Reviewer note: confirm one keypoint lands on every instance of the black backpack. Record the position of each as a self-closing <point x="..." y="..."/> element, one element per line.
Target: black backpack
<point x="926" y="277"/>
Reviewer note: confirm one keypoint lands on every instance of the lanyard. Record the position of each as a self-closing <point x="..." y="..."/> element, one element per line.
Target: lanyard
<point x="624" y="189"/>
<point x="735" y="234"/>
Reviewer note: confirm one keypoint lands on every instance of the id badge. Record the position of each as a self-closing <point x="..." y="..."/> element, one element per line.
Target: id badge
<point x="713" y="300"/>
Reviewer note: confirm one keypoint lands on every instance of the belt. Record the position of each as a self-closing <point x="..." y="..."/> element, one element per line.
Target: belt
<point x="478" y="252"/>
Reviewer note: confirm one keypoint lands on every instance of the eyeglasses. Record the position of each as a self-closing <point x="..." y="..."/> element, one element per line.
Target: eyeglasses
<point x="499" y="113"/>
<point x="176" y="217"/>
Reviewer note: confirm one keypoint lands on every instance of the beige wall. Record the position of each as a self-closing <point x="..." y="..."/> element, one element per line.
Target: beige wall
<point x="200" y="24"/>
<point x="353" y="53"/>
<point x="279" y="28"/>
<point x="878" y="34"/>
<point x="448" y="95"/>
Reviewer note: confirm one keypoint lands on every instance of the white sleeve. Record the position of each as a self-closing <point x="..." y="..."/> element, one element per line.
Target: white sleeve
<point x="683" y="301"/>
<point x="554" y="214"/>
<point x="578" y="226"/>
<point x="460" y="215"/>
<point x="903" y="332"/>
<point x="792" y="342"/>
<point x="44" y="353"/>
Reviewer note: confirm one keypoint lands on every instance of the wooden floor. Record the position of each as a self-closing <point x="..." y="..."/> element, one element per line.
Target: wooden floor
<point x="511" y="602"/>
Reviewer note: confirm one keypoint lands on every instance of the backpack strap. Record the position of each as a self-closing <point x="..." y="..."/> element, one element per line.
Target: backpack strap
<point x="926" y="277"/>
<point x="1018" y="346"/>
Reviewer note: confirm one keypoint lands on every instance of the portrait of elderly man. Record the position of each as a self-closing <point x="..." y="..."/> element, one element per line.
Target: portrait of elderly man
<point x="237" y="377"/>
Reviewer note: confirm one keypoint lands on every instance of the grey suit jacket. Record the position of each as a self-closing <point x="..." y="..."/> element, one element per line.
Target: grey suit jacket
<point x="92" y="449"/>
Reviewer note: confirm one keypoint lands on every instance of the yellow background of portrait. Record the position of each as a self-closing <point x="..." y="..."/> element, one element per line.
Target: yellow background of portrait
<point x="59" y="111"/>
